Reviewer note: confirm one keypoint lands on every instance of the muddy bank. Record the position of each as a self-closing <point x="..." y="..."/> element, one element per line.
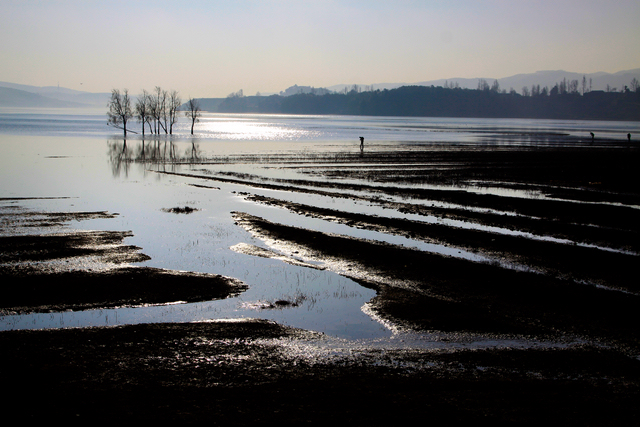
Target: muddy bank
<point x="88" y="269"/>
<point x="14" y="216"/>
<point x="431" y="292"/>
<point x="560" y="219"/>
<point x="581" y="263"/>
<point x="28" y="290"/>
<point x="260" y="373"/>
<point x="583" y="173"/>
<point x="107" y="245"/>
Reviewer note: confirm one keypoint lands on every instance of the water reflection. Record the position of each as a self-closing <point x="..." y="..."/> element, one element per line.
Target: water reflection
<point x="156" y="153"/>
<point x="119" y="157"/>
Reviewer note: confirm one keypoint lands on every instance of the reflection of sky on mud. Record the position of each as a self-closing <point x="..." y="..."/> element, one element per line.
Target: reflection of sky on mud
<point x="97" y="176"/>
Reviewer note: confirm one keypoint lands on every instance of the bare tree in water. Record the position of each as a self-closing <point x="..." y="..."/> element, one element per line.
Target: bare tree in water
<point x="193" y="112"/>
<point x="172" y="108"/>
<point x="159" y="109"/>
<point x="119" y="109"/>
<point x="143" y="109"/>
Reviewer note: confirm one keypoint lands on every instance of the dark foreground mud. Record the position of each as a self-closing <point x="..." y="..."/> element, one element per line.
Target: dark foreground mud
<point x="259" y="373"/>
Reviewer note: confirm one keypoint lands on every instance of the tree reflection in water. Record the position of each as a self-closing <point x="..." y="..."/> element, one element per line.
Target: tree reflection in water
<point x="154" y="154"/>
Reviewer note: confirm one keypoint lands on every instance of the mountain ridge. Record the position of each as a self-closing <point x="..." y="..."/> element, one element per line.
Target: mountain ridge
<point x="548" y="78"/>
<point x="10" y="97"/>
<point x="19" y="95"/>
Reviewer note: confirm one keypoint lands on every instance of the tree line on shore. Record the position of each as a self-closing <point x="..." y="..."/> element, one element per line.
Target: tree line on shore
<point x="158" y="110"/>
<point x="566" y="100"/>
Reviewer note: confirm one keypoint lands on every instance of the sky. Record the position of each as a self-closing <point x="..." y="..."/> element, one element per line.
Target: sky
<point x="213" y="48"/>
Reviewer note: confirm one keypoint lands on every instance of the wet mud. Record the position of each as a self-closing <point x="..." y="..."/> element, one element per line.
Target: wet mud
<point x="432" y="292"/>
<point x="180" y="210"/>
<point x="107" y="245"/>
<point x="253" y="250"/>
<point x="588" y="264"/>
<point x="260" y="373"/>
<point x="588" y="197"/>
<point x="29" y="290"/>
<point x="578" y="295"/>
<point x="80" y="270"/>
<point x="15" y="217"/>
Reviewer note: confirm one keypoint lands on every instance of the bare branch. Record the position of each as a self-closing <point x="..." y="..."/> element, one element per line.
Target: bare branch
<point x="119" y="109"/>
<point x="193" y="112"/>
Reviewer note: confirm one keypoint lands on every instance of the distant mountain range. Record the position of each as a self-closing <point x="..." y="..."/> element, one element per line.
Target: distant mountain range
<point x="598" y="81"/>
<point x="17" y="95"/>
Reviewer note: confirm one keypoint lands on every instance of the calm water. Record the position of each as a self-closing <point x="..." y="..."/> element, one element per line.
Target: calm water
<point x="285" y="128"/>
<point x="72" y="157"/>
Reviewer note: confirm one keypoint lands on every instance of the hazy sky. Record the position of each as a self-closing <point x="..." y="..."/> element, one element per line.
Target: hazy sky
<point x="213" y="48"/>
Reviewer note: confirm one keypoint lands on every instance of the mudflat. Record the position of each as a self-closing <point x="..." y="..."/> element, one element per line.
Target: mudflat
<point x="46" y="272"/>
<point x="257" y="372"/>
<point x="562" y="285"/>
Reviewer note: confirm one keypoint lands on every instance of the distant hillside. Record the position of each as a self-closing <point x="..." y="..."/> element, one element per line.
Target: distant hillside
<point x="20" y="98"/>
<point x="17" y="95"/>
<point x="68" y="98"/>
<point x="206" y="104"/>
<point x="598" y="81"/>
<point x="437" y="101"/>
<point x="295" y="90"/>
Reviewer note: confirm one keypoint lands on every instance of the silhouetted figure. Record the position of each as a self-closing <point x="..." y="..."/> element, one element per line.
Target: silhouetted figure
<point x="629" y="137"/>
<point x="593" y="137"/>
<point x="362" y="143"/>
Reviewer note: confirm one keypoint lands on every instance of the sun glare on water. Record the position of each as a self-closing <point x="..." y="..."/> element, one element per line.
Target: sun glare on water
<point x="247" y="129"/>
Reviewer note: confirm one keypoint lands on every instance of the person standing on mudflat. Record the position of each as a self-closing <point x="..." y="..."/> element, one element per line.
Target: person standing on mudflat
<point x="362" y="143"/>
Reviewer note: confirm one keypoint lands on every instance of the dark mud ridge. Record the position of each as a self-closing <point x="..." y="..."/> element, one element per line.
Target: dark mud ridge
<point x="588" y="264"/>
<point x="89" y="269"/>
<point x="432" y="292"/>
<point x="609" y="225"/>
<point x="26" y="291"/>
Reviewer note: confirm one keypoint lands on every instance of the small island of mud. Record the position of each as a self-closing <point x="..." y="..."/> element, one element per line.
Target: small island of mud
<point x="79" y="270"/>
